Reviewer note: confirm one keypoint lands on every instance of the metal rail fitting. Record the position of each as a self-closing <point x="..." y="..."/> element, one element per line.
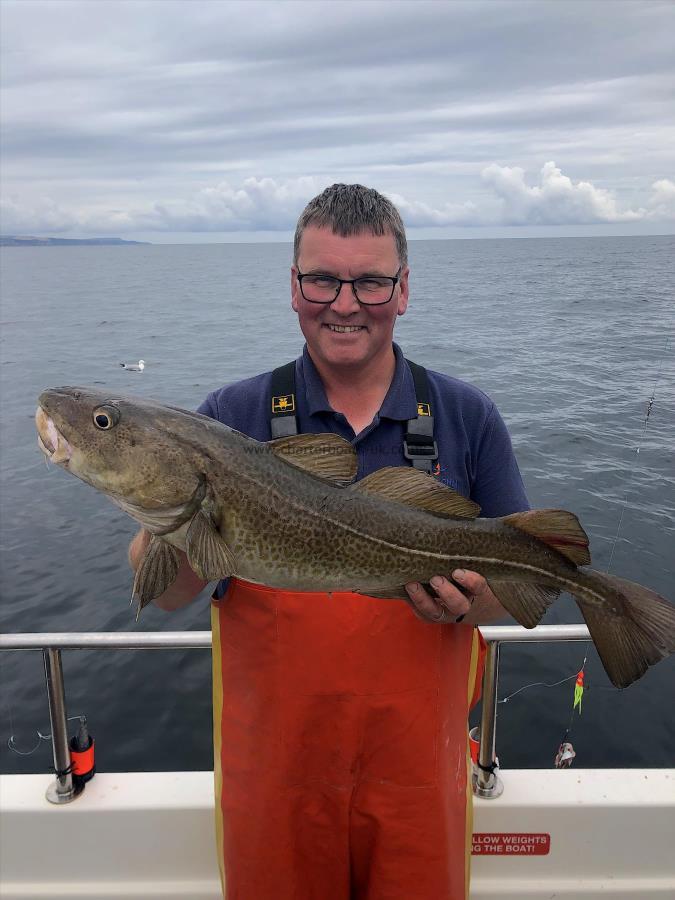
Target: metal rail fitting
<point x="486" y="782"/>
<point x="62" y="789"/>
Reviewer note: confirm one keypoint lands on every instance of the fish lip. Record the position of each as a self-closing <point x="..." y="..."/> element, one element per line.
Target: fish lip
<point x="46" y="431"/>
<point x="50" y="440"/>
<point x="48" y="451"/>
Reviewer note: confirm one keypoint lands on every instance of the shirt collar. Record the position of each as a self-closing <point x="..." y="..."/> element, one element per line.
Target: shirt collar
<point x="314" y="389"/>
<point x="400" y="402"/>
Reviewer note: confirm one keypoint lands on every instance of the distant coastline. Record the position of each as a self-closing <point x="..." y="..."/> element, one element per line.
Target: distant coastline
<point x="29" y="240"/>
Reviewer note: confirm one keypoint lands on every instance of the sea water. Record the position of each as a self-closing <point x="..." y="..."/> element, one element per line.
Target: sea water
<point x="572" y="338"/>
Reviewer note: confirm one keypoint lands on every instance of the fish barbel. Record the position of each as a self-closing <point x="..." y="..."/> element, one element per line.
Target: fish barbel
<point x="286" y="514"/>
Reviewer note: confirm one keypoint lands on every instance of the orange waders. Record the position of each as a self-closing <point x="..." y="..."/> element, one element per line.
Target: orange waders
<point x="341" y="747"/>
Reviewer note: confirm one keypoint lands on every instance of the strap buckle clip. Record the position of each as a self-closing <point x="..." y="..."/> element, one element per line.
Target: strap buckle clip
<point x="415" y="451"/>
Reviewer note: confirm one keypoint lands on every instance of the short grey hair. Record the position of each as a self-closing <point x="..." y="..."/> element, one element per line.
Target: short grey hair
<point x="349" y="209"/>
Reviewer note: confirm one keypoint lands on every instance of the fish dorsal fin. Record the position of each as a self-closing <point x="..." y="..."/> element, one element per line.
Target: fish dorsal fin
<point x="411" y="487"/>
<point x="328" y="456"/>
<point x="557" y="528"/>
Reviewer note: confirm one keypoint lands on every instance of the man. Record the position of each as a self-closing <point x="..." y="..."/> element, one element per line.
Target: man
<point x="340" y="720"/>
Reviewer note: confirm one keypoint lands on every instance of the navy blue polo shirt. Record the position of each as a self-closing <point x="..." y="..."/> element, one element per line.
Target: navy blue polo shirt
<point x="474" y="447"/>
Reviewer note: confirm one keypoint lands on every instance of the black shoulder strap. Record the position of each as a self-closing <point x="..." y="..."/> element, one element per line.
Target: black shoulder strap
<point x="282" y="416"/>
<point x="419" y="445"/>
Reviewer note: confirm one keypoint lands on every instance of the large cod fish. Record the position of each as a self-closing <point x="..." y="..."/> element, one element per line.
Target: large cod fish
<point x="285" y="514"/>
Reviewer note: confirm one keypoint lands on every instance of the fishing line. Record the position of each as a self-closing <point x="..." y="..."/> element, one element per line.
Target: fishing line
<point x="553" y="684"/>
<point x="580" y="673"/>
<point x="536" y="684"/>
<point x="579" y="688"/>
<point x="645" y="425"/>
<point x="11" y="743"/>
<point x="650" y="404"/>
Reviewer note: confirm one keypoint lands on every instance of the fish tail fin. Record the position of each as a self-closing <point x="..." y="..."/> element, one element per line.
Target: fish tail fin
<point x="638" y="632"/>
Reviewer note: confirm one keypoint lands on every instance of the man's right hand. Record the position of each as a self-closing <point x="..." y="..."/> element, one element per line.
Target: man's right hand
<point x="184" y="589"/>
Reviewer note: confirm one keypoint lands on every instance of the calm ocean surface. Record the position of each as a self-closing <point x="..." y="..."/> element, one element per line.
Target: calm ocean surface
<point x="570" y="337"/>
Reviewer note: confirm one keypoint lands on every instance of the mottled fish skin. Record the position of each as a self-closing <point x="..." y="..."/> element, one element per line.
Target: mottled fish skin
<point x="285" y="528"/>
<point x="288" y="528"/>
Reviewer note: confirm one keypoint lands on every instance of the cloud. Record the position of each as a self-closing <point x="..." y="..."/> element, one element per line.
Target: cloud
<point x="181" y="116"/>
<point x="662" y="200"/>
<point x="416" y="214"/>
<point x="258" y="205"/>
<point x="556" y="200"/>
<point x="266" y="204"/>
<point x="43" y="215"/>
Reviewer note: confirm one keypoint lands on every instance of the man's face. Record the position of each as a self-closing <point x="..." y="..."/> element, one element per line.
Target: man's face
<point x="325" y="253"/>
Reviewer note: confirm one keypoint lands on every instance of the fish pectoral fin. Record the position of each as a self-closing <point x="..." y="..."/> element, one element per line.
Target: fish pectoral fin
<point x="208" y="554"/>
<point x="558" y="528"/>
<point x="156" y="572"/>
<point x="326" y="455"/>
<point x="414" y="488"/>
<point x="527" y="603"/>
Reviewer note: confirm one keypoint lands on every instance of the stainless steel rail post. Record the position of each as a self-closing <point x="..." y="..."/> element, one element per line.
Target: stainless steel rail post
<point x="486" y="782"/>
<point x="61" y="790"/>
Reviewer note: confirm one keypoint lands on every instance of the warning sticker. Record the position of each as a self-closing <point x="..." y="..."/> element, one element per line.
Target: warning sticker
<point x="510" y="844"/>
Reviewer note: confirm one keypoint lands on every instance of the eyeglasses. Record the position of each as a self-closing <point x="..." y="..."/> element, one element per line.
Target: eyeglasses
<point x="371" y="290"/>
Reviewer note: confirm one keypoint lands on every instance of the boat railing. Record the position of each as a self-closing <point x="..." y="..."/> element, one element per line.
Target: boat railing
<point x="486" y="782"/>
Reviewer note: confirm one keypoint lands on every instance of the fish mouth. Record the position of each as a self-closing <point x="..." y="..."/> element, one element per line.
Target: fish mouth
<point x="50" y="440"/>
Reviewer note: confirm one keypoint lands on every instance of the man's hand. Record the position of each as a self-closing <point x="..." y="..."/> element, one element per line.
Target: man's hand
<point x="476" y="602"/>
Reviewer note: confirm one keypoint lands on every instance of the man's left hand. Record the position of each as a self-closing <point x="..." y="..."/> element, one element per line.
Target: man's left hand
<point x="475" y="602"/>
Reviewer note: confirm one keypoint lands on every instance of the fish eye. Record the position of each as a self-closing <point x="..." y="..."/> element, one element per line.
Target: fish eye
<point x="106" y="417"/>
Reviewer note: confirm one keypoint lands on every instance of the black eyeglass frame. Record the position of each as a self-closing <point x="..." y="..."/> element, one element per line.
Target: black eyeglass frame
<point x="393" y="278"/>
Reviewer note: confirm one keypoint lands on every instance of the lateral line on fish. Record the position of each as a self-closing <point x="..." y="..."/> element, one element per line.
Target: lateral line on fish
<point x="572" y="586"/>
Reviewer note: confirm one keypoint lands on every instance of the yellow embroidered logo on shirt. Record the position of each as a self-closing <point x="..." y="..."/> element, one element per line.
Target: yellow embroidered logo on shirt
<point x="285" y="403"/>
<point x="423" y="409"/>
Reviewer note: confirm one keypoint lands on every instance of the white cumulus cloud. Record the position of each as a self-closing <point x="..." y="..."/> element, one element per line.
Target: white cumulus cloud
<point x="40" y="215"/>
<point x="556" y="200"/>
<point x="258" y="205"/>
<point x="266" y="204"/>
<point x="662" y="200"/>
<point x="416" y="214"/>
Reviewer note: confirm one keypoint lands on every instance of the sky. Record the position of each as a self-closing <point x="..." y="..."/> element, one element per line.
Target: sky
<point x="210" y="120"/>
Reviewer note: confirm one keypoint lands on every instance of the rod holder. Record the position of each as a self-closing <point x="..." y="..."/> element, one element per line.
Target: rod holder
<point x="485" y="781"/>
<point x="62" y="789"/>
